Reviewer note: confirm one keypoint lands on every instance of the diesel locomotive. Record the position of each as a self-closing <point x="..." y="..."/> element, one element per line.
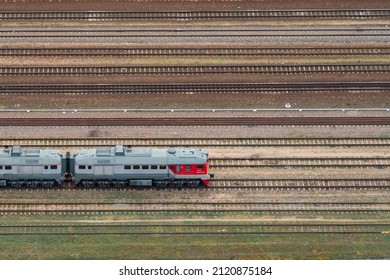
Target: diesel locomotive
<point x="117" y="166"/>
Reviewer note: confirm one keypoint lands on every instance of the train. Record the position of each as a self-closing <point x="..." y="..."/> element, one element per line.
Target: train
<point x="115" y="167"/>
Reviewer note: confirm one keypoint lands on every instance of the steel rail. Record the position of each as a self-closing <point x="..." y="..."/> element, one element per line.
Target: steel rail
<point x="218" y="188"/>
<point x="223" y="224"/>
<point x="227" y="88"/>
<point x="194" y="142"/>
<point x="338" y="162"/>
<point x="190" y="30"/>
<point x="211" y="209"/>
<point x="185" y="51"/>
<point x="309" y="184"/>
<point x="33" y="203"/>
<point x="228" y="185"/>
<point x="194" y="33"/>
<point x="194" y="70"/>
<point x="196" y="233"/>
<point x="195" y="121"/>
<point x="18" y="35"/>
<point x="195" y="15"/>
<point x="193" y="207"/>
<point x="354" y="228"/>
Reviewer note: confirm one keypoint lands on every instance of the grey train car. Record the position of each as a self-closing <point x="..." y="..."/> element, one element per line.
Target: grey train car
<point x="103" y="167"/>
<point x="30" y="167"/>
<point x="120" y="166"/>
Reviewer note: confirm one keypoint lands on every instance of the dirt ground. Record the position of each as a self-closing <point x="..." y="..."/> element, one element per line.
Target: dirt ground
<point x="261" y="100"/>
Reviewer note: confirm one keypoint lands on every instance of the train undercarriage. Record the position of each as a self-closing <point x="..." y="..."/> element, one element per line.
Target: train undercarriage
<point x="140" y="183"/>
<point x="28" y="183"/>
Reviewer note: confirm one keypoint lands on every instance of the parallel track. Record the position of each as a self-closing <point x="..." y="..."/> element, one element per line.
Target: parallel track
<point x="194" y="70"/>
<point x="48" y="34"/>
<point x="160" y="207"/>
<point x="298" y="184"/>
<point x="195" y="142"/>
<point x="206" y="88"/>
<point x="184" y="52"/>
<point x="185" y="229"/>
<point x="235" y="185"/>
<point x="222" y="163"/>
<point x="197" y="15"/>
<point x="195" y="121"/>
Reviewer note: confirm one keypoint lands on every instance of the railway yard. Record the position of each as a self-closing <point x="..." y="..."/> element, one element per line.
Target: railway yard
<point x="292" y="105"/>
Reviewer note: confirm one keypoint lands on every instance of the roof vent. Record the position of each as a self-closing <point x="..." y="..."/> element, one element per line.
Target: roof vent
<point x="119" y="150"/>
<point x="16" y="151"/>
<point x="103" y="152"/>
<point x="29" y="152"/>
<point x="172" y="151"/>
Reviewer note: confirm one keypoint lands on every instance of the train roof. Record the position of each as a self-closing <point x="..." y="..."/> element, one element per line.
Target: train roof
<point x="17" y="151"/>
<point x="121" y="151"/>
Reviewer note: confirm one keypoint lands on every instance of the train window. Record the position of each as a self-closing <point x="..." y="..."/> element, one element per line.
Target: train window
<point x="163" y="167"/>
<point x="200" y="166"/>
<point x="145" y="167"/>
<point x="81" y="166"/>
<point x="8" y="167"/>
<point x="1" y="167"/>
<point x="136" y="167"/>
<point x="187" y="168"/>
<point x="153" y="167"/>
<point x="89" y="167"/>
<point x="53" y="166"/>
<point x="46" y="167"/>
<point x="177" y="168"/>
<point x="127" y="166"/>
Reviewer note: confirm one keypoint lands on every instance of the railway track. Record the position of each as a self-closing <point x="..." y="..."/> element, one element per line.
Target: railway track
<point x="194" y="70"/>
<point x="196" y="142"/>
<point x="223" y="163"/>
<point x="234" y="185"/>
<point x="197" y="15"/>
<point x="300" y="184"/>
<point x="236" y="88"/>
<point x="183" y="52"/>
<point x="195" y="121"/>
<point x="75" y="33"/>
<point x="195" y="228"/>
<point x="159" y="207"/>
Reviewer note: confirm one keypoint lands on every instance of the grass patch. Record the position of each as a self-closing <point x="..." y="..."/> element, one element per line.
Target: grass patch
<point x="331" y="246"/>
<point x="172" y="216"/>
